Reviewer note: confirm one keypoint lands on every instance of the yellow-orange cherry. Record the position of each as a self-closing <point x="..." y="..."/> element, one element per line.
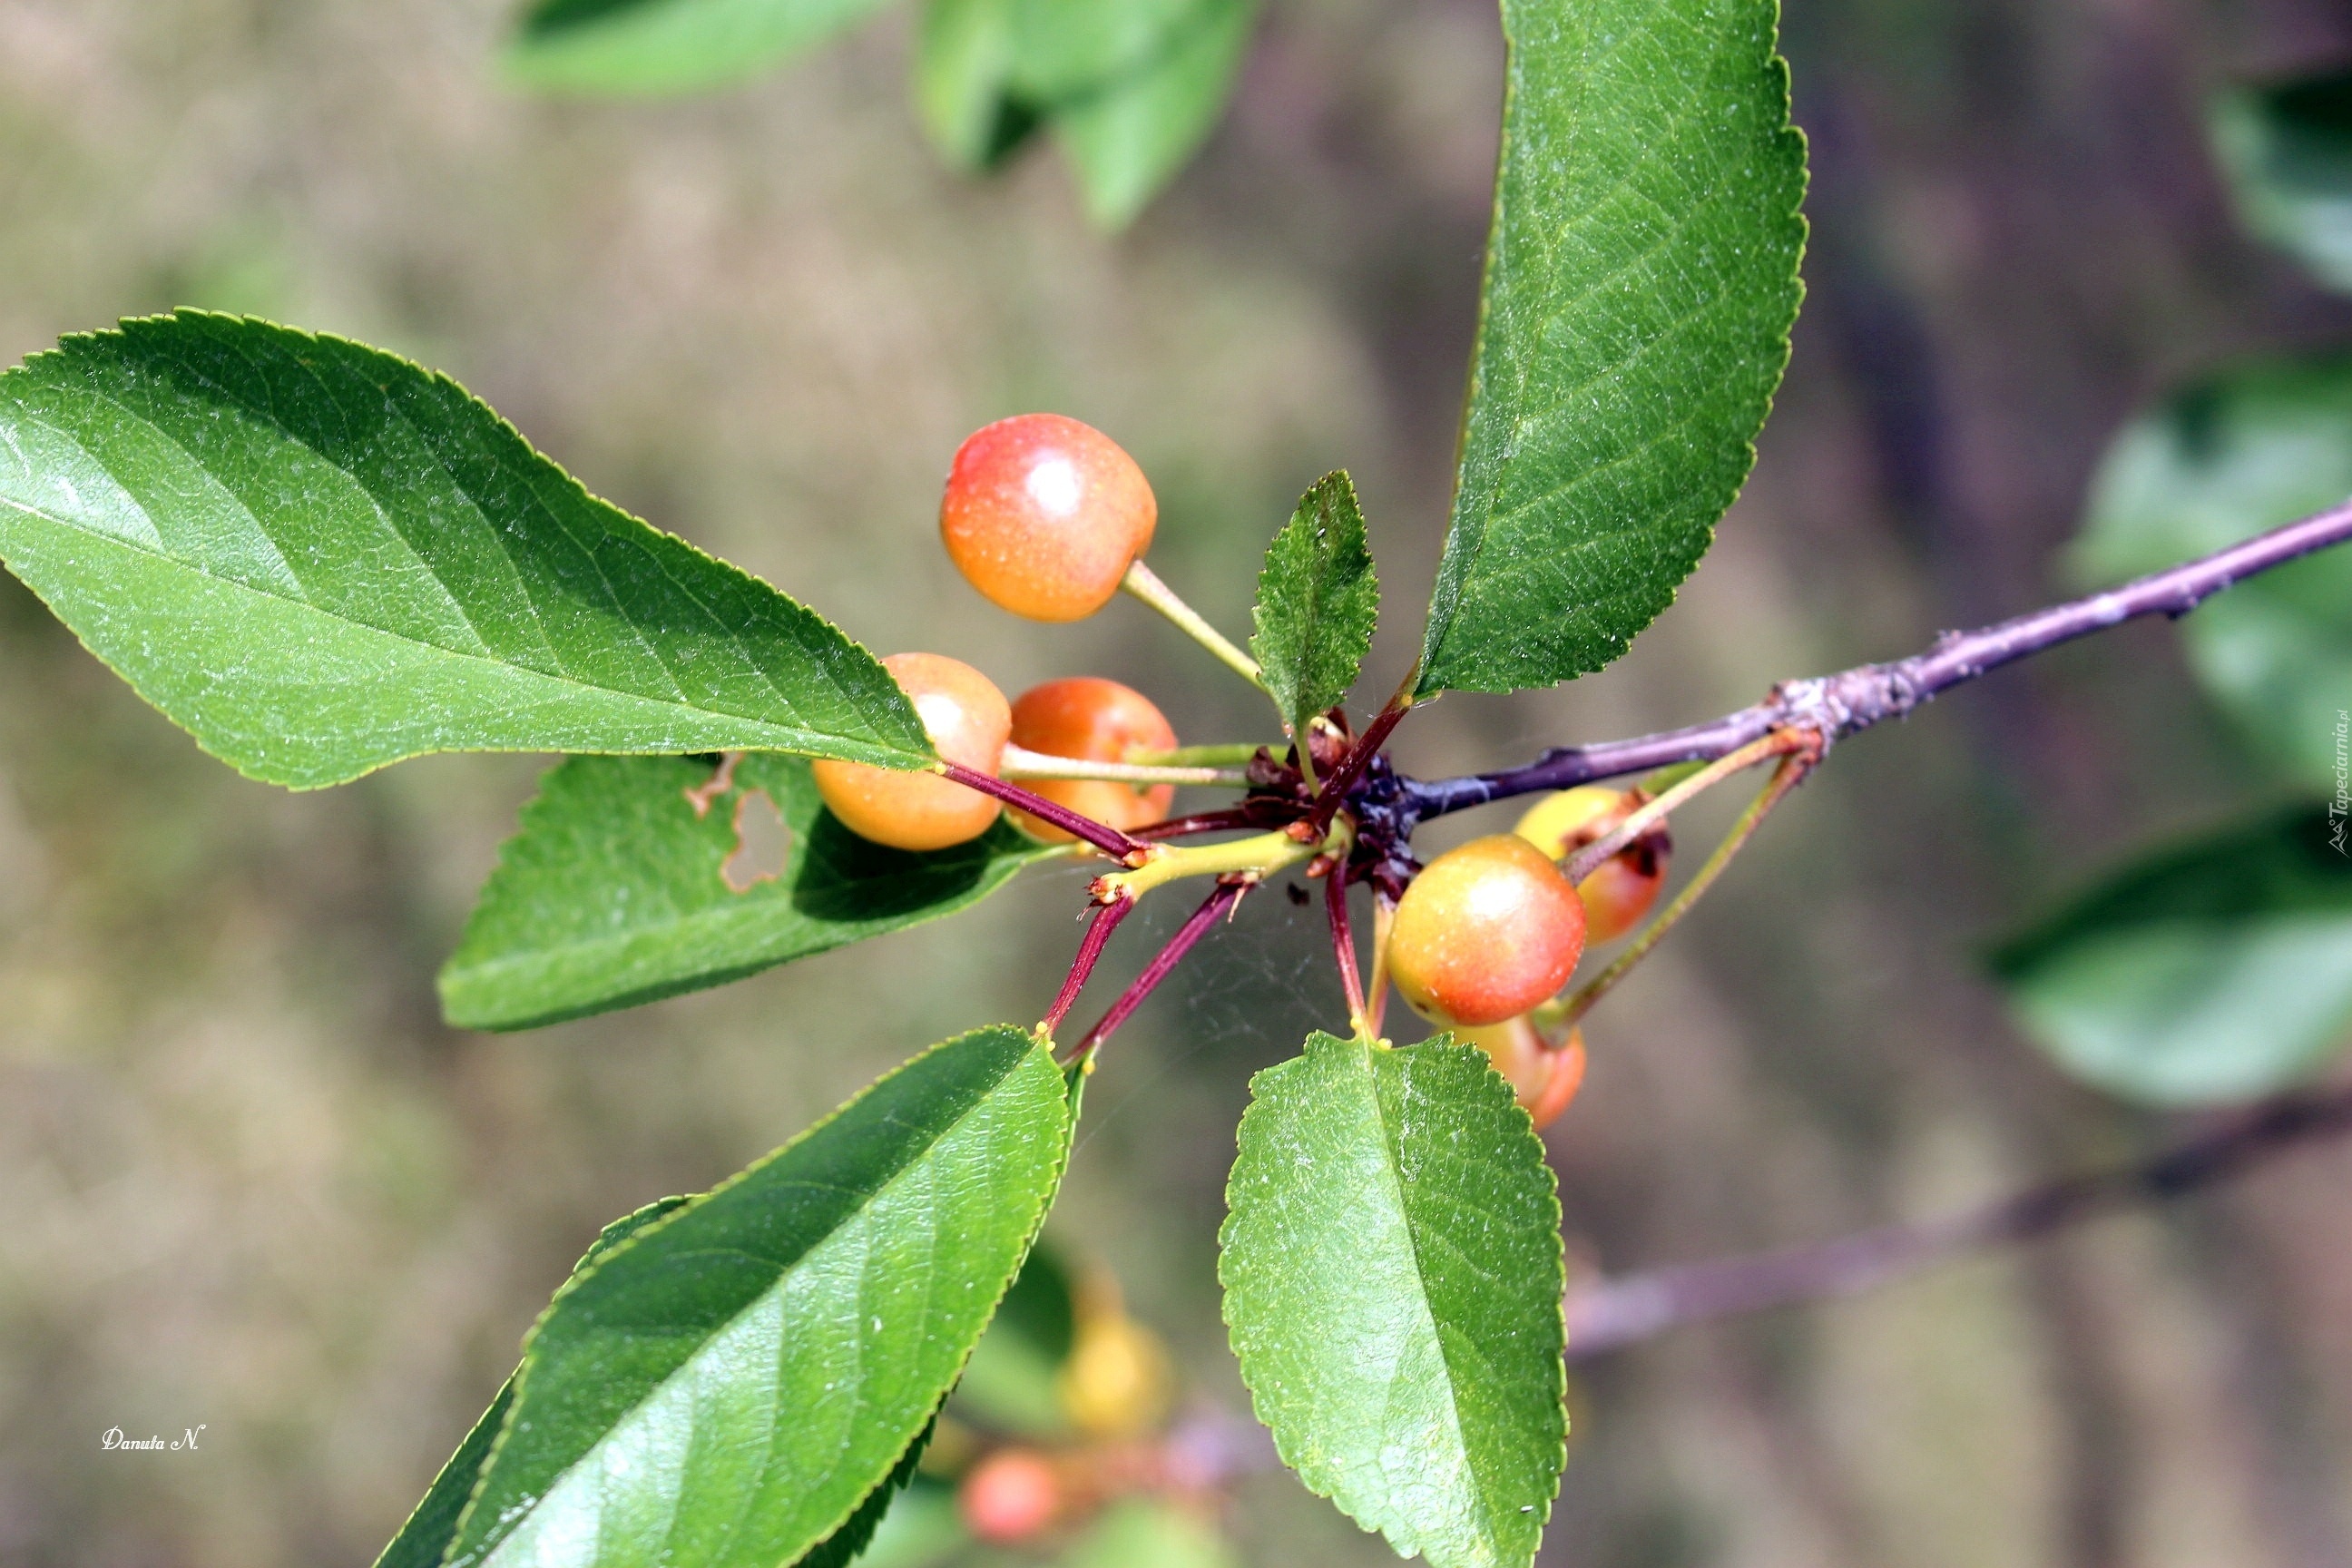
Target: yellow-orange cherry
<point x="1044" y="514"/>
<point x="1095" y="720"/>
<point x="1621" y="889"/>
<point x="968" y="721"/>
<point x="1545" y="1077"/>
<point x="1486" y="931"/>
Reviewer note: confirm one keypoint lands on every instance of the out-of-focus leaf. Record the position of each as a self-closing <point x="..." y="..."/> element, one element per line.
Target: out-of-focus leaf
<point x="633" y="47"/>
<point x="318" y="559"/>
<point x="729" y="1385"/>
<point x="2255" y="446"/>
<point x="2215" y="971"/>
<point x="1318" y="602"/>
<point x="426" y="1536"/>
<point x="1009" y="1383"/>
<point x="1150" y="1535"/>
<point x="1067" y="48"/>
<point x="963" y="74"/>
<point x="1640" y="282"/>
<point x="615" y="890"/>
<point x="2286" y="148"/>
<point x="1127" y="138"/>
<point x="922" y="1528"/>
<point x="1393" y="1278"/>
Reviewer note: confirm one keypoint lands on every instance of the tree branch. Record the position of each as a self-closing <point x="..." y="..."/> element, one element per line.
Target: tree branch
<point x="1608" y="1314"/>
<point x="1853" y="700"/>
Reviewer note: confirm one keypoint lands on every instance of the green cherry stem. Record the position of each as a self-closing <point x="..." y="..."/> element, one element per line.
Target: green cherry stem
<point x="1146" y="586"/>
<point x="1554" y="1016"/>
<point x="1778" y="743"/>
<point x="1232" y="754"/>
<point x="1018" y="762"/>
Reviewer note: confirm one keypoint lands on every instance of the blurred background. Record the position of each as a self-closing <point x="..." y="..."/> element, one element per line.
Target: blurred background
<point x="252" y="1182"/>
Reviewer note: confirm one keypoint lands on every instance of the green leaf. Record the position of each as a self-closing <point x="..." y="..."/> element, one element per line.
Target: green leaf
<point x="1129" y="137"/>
<point x="666" y="46"/>
<point x="1640" y="282"/>
<point x="1318" y="602"/>
<point x="2286" y="151"/>
<point x="726" y="1388"/>
<point x="614" y="892"/>
<point x="426" y="1536"/>
<point x="1393" y="1278"/>
<point x="320" y="559"/>
<point x="964" y="71"/>
<point x="2257" y="445"/>
<point x="2215" y="971"/>
<point x="1150" y="1535"/>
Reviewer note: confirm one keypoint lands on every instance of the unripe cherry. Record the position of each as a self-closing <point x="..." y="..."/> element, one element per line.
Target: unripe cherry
<point x="1012" y="1496"/>
<point x="1545" y="1077"/>
<point x="1621" y="889"/>
<point x="968" y="722"/>
<point x="1095" y="721"/>
<point x="1486" y="931"/>
<point x="1043" y="515"/>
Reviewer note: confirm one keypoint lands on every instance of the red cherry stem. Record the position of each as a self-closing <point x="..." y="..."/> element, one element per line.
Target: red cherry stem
<point x="1101" y="835"/>
<point x="1334" y="792"/>
<point x="1343" y="948"/>
<point x="1105" y="920"/>
<point x="1226" y="895"/>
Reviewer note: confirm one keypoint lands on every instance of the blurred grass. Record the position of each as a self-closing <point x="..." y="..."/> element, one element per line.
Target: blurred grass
<point x="253" y="1182"/>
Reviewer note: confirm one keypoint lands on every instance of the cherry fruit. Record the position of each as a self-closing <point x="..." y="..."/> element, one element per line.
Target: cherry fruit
<point x="1621" y="888"/>
<point x="1485" y="933"/>
<point x="1095" y="720"/>
<point x="968" y="722"/>
<point x="1043" y="515"/>
<point x="1545" y="1077"/>
<point x="1014" y="1495"/>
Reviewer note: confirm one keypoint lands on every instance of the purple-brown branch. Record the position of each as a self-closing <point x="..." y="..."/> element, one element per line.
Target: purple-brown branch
<point x="1101" y="835"/>
<point x="1853" y="700"/>
<point x="1612" y="1313"/>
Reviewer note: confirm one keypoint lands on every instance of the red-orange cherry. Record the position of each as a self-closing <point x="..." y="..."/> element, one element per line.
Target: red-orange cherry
<point x="1485" y="933"/>
<point x="968" y="721"/>
<point x="1095" y="721"/>
<point x="1012" y="1496"/>
<point x="1545" y="1077"/>
<point x="1043" y="515"/>
<point x="1621" y="888"/>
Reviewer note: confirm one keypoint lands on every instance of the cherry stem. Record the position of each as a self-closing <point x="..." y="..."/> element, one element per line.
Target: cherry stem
<point x="1144" y="583"/>
<point x="1020" y="763"/>
<point x="1200" y="822"/>
<point x="1228" y="893"/>
<point x="1383" y="921"/>
<point x="1343" y="948"/>
<point x="1091" y="951"/>
<point x="1786" y="778"/>
<point x="1778" y="743"/>
<point x="1101" y="835"/>
<point x="1334" y="792"/>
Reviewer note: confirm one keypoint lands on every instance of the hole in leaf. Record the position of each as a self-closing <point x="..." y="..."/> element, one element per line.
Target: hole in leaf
<point x="702" y="797"/>
<point x="762" y="842"/>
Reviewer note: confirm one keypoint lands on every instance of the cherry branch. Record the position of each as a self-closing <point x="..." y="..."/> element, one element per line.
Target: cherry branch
<point x="1611" y="1313"/>
<point x="1082" y="967"/>
<point x="1836" y="706"/>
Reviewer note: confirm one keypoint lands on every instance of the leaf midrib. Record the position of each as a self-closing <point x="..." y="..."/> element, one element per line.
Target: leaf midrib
<point x="1393" y="1177"/>
<point x="552" y="515"/>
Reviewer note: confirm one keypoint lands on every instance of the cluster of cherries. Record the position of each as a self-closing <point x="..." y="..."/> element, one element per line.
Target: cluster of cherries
<point x="1046" y="516"/>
